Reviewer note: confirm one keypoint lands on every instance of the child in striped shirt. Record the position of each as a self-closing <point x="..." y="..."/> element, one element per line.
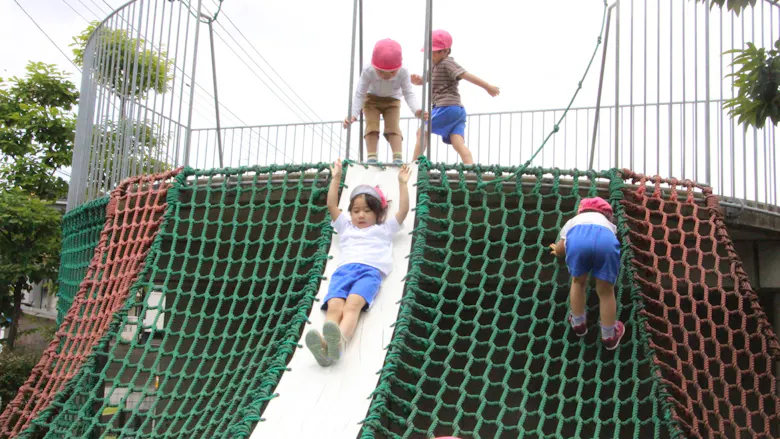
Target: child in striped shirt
<point x="448" y="118"/>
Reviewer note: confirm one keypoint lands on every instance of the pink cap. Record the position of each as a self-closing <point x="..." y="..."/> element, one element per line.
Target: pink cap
<point x="440" y="40"/>
<point x="387" y="55"/>
<point x="598" y="204"/>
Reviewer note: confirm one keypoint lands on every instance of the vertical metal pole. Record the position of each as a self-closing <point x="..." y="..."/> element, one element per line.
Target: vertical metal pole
<point x="601" y="83"/>
<point x="617" y="82"/>
<point x="84" y="127"/>
<point x="631" y="92"/>
<point x="428" y="73"/>
<point x="216" y="93"/>
<point x="352" y="72"/>
<point x="671" y="84"/>
<point x="361" y="69"/>
<point x="707" y="163"/>
<point x="192" y="89"/>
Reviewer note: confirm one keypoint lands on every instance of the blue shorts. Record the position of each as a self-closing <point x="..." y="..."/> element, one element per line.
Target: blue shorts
<point x="446" y="121"/>
<point x="363" y="280"/>
<point x="593" y="249"/>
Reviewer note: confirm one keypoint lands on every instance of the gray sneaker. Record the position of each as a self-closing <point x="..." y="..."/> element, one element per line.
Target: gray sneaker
<point x="332" y="335"/>
<point x="315" y="344"/>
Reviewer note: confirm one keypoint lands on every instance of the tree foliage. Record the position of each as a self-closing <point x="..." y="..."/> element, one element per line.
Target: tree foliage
<point x="758" y="86"/>
<point x="37" y="127"/>
<point x="129" y="66"/>
<point x="29" y="250"/>
<point x="758" y="78"/>
<point x="16" y="367"/>
<point x="142" y="145"/>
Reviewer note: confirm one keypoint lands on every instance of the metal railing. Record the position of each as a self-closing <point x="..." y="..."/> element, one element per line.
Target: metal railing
<point x="663" y="116"/>
<point x="137" y="95"/>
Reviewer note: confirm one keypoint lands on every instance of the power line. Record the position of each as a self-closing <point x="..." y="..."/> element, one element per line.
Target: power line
<point x="74" y="10"/>
<point x="264" y="83"/>
<point x="47" y="35"/>
<point x="100" y="7"/>
<point x="87" y="8"/>
<point x="224" y="14"/>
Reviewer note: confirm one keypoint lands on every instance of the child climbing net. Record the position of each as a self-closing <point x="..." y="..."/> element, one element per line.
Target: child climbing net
<point x="589" y="243"/>
<point x="366" y="241"/>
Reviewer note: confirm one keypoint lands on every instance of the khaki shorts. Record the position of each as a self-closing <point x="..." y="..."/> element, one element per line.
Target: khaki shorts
<point x="389" y="108"/>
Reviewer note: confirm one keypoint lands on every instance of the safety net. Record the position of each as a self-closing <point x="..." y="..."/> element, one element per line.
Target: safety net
<point x="81" y="228"/>
<point x="482" y="347"/>
<point x="210" y="323"/>
<point x="713" y="343"/>
<point x="186" y="321"/>
<point x="133" y="214"/>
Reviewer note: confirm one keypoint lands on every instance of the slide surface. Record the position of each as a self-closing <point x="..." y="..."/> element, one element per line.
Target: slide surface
<point x="328" y="403"/>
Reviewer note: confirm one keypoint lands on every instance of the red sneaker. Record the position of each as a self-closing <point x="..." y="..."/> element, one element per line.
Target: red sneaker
<point x="579" y="330"/>
<point x="612" y="343"/>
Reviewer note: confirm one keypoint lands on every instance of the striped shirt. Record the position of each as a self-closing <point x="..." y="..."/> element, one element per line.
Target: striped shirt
<point x="444" y="85"/>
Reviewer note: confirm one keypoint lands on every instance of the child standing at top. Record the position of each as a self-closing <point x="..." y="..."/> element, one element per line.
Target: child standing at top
<point x="590" y="245"/>
<point x="448" y="118"/>
<point x="366" y="240"/>
<point x="379" y="93"/>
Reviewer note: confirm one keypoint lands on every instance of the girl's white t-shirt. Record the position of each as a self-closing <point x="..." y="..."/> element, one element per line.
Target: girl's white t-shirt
<point x="587" y="218"/>
<point x="371" y="246"/>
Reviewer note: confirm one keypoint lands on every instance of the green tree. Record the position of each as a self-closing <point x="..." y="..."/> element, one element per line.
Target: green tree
<point x="758" y="78"/>
<point x="16" y="367"/>
<point x="128" y="67"/>
<point x="36" y="130"/>
<point x="29" y="251"/>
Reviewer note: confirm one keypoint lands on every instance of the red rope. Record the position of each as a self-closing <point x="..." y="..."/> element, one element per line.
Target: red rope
<point x="714" y="345"/>
<point x="133" y="217"/>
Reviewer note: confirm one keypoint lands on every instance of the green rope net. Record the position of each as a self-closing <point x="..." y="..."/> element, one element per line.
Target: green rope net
<point x="215" y="315"/>
<point x="81" y="229"/>
<point x="193" y="341"/>
<point x="482" y="347"/>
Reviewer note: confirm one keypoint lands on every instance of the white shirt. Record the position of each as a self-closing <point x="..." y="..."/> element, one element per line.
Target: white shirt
<point x="588" y="218"/>
<point x="397" y="87"/>
<point x="370" y="246"/>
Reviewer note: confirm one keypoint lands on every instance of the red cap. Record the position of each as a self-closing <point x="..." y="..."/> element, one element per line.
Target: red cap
<point x="598" y="204"/>
<point x="387" y="55"/>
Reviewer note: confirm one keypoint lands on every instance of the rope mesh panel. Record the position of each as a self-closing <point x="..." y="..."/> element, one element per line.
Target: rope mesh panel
<point x="216" y="314"/>
<point x="133" y="216"/>
<point x="713" y="343"/>
<point x="482" y="348"/>
<point x="81" y="229"/>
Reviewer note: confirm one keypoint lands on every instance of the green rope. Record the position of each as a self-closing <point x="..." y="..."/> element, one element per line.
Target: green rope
<point x="238" y="260"/>
<point x="81" y="229"/>
<point x="556" y="127"/>
<point x="482" y="348"/>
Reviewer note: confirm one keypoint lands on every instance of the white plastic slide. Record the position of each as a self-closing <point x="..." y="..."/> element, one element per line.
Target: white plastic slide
<point x="328" y="403"/>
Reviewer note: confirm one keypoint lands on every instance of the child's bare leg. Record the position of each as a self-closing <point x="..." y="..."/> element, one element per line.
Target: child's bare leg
<point x="459" y="144"/>
<point x="335" y="311"/>
<point x="396" y="143"/>
<point x="372" y="140"/>
<point x="607" y="303"/>
<point x="577" y="294"/>
<point x="419" y="147"/>
<point x="352" y="310"/>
